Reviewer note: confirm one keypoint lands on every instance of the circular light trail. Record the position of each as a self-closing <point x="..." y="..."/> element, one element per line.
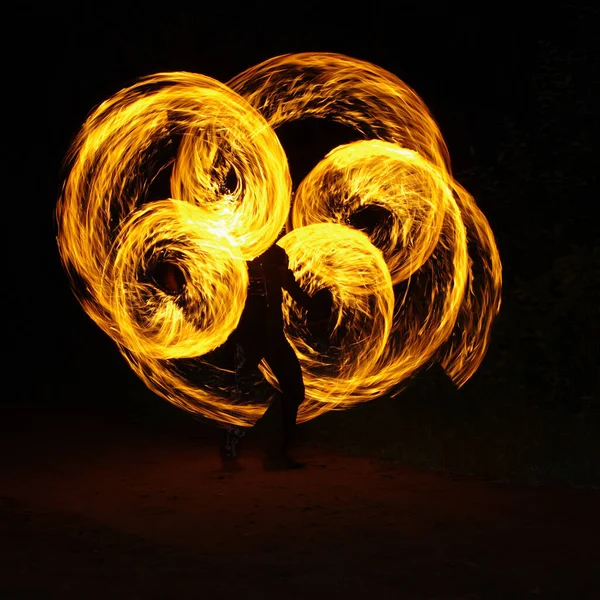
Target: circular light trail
<point x="184" y="170"/>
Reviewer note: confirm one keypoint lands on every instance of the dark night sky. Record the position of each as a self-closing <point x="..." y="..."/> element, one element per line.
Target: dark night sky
<point x="479" y="77"/>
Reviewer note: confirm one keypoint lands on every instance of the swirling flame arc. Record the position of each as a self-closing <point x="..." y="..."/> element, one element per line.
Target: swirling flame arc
<point x="185" y="169"/>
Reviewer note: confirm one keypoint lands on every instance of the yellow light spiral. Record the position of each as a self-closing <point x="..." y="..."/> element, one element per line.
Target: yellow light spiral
<point x="182" y="169"/>
<point x="416" y="191"/>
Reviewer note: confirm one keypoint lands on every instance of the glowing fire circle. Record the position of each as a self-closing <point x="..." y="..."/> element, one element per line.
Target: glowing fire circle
<point x="402" y="294"/>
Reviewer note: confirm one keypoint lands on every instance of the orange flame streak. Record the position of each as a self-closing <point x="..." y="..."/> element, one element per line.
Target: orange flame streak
<point x="376" y="173"/>
<point x="356" y="93"/>
<point x="109" y="233"/>
<point x="412" y="180"/>
<point x="341" y="259"/>
<point x="401" y="295"/>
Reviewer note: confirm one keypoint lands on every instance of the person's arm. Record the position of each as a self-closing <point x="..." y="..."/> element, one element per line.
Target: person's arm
<point x="290" y="285"/>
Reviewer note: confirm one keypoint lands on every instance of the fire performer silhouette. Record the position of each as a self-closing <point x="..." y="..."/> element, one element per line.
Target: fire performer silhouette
<point x="259" y="336"/>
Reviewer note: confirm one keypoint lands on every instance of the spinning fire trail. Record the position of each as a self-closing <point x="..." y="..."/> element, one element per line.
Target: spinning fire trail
<point x="402" y="294"/>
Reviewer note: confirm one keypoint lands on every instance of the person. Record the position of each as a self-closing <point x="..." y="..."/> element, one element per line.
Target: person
<point x="260" y="336"/>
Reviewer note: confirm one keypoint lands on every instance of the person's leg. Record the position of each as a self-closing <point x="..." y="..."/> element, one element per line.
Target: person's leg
<point x="285" y="366"/>
<point x="234" y="434"/>
<point x="246" y="361"/>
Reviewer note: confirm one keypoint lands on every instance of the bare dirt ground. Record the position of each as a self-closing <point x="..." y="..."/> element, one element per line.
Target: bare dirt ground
<point x="91" y="509"/>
